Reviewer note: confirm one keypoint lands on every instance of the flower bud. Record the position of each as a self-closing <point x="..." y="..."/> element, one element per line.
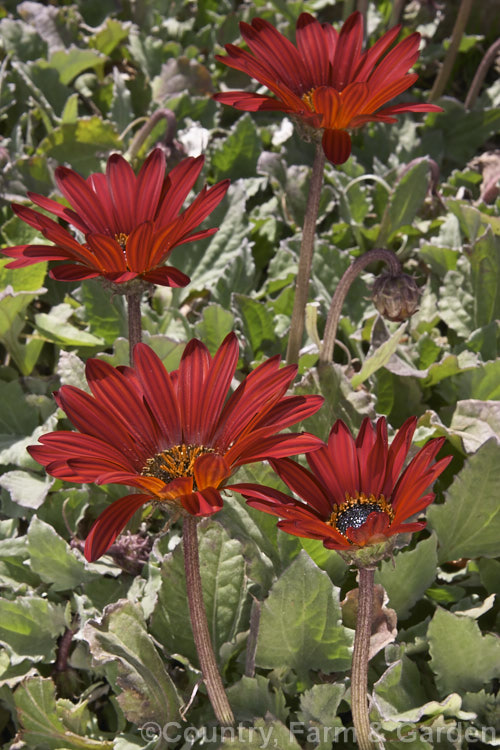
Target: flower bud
<point x="395" y="297"/>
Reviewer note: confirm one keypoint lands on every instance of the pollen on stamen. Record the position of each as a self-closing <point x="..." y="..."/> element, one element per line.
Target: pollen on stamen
<point x="355" y="510"/>
<point x="122" y="238"/>
<point x="175" y="462"/>
<point x="307" y="99"/>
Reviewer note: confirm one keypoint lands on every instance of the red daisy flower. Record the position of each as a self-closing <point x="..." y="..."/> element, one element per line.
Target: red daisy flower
<point x="173" y="436"/>
<point x="355" y="494"/>
<point x="130" y="224"/>
<point x="326" y="81"/>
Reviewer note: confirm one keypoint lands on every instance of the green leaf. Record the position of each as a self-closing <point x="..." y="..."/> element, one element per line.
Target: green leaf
<point x="485" y="266"/>
<point x="482" y="383"/>
<point x="380" y="357"/>
<point x="257" y="323"/>
<point x="53" y="559"/>
<point x="80" y="143"/>
<point x="69" y="63"/>
<point x="17" y="417"/>
<point x="215" y="324"/>
<point x="326" y="559"/>
<point x="448" y="634"/>
<point x="468" y="523"/>
<point x="121" y="110"/>
<point x="226" y="265"/>
<point x="400" y="697"/>
<point x="106" y="315"/>
<point x="476" y="422"/>
<point x="262" y="734"/>
<point x="405" y="201"/>
<point x="410" y="576"/>
<point x="40" y="724"/>
<point x="456" y="301"/>
<point x="237" y="157"/>
<point x="300" y="625"/>
<point x="54" y="326"/>
<point x="320" y="704"/>
<point x="224" y="593"/>
<point x="110" y="35"/>
<point x="253" y="697"/>
<point x="29" y="627"/>
<point x="25" y="489"/>
<point x="121" y="642"/>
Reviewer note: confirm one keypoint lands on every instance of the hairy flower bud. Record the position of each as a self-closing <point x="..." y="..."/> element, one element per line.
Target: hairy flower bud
<point x="395" y="297"/>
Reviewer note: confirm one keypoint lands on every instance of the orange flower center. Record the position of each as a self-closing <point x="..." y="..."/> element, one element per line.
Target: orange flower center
<point x="355" y="510"/>
<point x="122" y="238"/>
<point x="175" y="462"/>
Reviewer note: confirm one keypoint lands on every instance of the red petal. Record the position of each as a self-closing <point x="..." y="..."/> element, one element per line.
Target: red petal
<point x="278" y="53"/>
<point x="397" y="455"/>
<point x="314" y="47"/>
<point x="113" y="391"/>
<point x="348" y="51"/>
<point x="203" y="503"/>
<point x="193" y="371"/>
<point x="336" y="145"/>
<point x="222" y="369"/>
<point x="109" y="524"/>
<point x="376" y="527"/>
<point x="72" y="272"/>
<point x="304" y="484"/>
<point x="374" y="465"/>
<point x="122" y="190"/>
<point x="159" y="392"/>
<point x="149" y="186"/>
<point x="344" y="458"/>
<point x="95" y="212"/>
<point x="370" y="58"/>
<point x="210" y="470"/>
<point x="179" y="183"/>
<point x="167" y="276"/>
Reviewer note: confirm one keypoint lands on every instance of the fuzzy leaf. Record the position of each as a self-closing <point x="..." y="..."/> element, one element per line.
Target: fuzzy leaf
<point x="300" y="626"/>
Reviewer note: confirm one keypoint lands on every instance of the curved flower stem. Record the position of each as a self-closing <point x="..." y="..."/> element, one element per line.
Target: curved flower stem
<point x="134" y="321"/>
<point x="332" y="321"/>
<point x="305" y="258"/>
<point x="142" y="134"/>
<point x="483" y="68"/>
<point x="360" y="655"/>
<point x="199" y="624"/>
<point x="449" y="60"/>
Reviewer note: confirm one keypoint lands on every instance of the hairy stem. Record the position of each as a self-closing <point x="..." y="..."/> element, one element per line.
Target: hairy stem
<point x="478" y="79"/>
<point x="360" y="654"/>
<point x="449" y="60"/>
<point x="332" y="321"/>
<point x="198" y="615"/>
<point x="142" y="134"/>
<point x="134" y="321"/>
<point x="305" y="258"/>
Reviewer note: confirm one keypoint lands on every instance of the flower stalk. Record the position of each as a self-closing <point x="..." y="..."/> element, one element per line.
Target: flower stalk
<point x="360" y="656"/>
<point x="199" y="624"/>
<point x="305" y="258"/>
<point x="332" y="321"/>
<point x="456" y="37"/>
<point x="134" y="321"/>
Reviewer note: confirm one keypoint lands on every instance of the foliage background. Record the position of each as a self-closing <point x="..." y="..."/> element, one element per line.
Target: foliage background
<point x="90" y="653"/>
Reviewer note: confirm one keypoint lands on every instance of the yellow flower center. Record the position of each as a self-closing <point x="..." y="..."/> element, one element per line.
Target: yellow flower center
<point x="355" y="510"/>
<point x="175" y="462"/>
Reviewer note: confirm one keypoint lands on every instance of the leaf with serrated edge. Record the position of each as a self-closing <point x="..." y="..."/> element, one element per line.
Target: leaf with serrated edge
<point x="300" y="625"/>
<point x="468" y="523"/>
<point x="121" y="638"/>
